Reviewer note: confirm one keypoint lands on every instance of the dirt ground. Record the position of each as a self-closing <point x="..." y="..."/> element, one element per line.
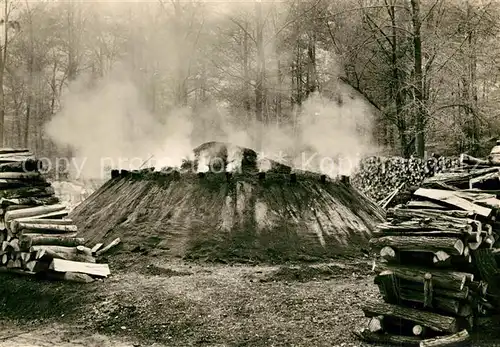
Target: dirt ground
<point x="192" y="305"/>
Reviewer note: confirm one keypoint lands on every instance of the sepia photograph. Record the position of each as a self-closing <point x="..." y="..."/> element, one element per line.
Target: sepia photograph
<point x="249" y="173"/>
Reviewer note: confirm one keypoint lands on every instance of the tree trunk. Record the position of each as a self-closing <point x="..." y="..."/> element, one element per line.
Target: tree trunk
<point x="246" y="71"/>
<point x="260" y="86"/>
<point x="471" y="85"/>
<point x="397" y="95"/>
<point x="418" y="83"/>
<point x="311" y="63"/>
<point x="180" y="68"/>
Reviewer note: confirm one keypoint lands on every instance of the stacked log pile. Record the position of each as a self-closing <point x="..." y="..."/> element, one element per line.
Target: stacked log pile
<point x="378" y="177"/>
<point x="36" y="237"/>
<point x="436" y="268"/>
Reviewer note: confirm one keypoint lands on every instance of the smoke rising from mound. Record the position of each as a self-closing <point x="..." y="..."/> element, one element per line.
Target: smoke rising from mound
<point x="107" y="125"/>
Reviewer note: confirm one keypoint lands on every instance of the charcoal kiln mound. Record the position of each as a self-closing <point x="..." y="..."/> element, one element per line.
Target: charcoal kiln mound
<point x="239" y="216"/>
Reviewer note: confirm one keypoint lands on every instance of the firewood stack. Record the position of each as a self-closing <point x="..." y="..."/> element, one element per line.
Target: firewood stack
<point x="436" y="268"/>
<point x="377" y="177"/>
<point x="36" y="237"/>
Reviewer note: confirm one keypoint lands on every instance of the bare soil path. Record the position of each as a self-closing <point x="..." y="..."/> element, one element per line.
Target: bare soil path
<point x="192" y="305"/>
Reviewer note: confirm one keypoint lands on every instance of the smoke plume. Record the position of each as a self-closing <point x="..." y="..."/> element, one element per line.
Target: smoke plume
<point x="108" y="126"/>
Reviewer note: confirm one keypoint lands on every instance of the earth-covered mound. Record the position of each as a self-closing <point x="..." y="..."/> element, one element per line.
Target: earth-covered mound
<point x="243" y="216"/>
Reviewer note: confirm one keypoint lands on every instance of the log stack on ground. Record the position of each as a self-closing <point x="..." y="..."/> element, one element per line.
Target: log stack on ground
<point x="378" y="177"/>
<point x="391" y="181"/>
<point x="436" y="267"/>
<point x="36" y="237"/>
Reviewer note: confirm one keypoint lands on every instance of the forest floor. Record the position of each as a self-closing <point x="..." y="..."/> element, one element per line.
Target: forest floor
<point x="193" y="305"/>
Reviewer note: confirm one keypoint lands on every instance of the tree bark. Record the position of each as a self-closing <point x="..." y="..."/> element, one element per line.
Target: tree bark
<point x="451" y="245"/>
<point x="443" y="279"/>
<point x="459" y="339"/>
<point x="29" y="240"/>
<point x="260" y="83"/>
<point x="420" y="117"/>
<point x="397" y="94"/>
<point x="428" y="319"/>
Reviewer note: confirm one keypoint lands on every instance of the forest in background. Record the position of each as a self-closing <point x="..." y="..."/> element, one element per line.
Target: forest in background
<point x="428" y="69"/>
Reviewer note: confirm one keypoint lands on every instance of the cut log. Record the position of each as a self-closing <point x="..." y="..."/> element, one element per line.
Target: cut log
<point x="96" y="247"/>
<point x="14" y="244"/>
<point x="391" y="339"/>
<point x="30" y="201"/>
<point x="16" y="207"/>
<point x="441" y="259"/>
<point x="414" y="204"/>
<point x="51" y="216"/>
<point x="451" y="215"/>
<point x="84" y="250"/>
<point x="376" y="324"/>
<point x="16" y="226"/>
<point x="466" y="236"/>
<point x="388" y="253"/>
<point x="30" y="220"/>
<point x="27" y="192"/>
<point x="452" y="246"/>
<point x="450" y="198"/>
<point x="487" y="229"/>
<point x="458" y="339"/>
<point x="443" y="304"/>
<point x="474" y="195"/>
<point x="30" y="266"/>
<point x="441" y="278"/>
<point x="490" y="178"/>
<point x="112" y="244"/>
<point x="13" y="150"/>
<point x="29" y="240"/>
<point x="458" y="179"/>
<point x="27" y="176"/>
<point x="419" y="330"/>
<point x="489" y="241"/>
<point x="27" y="165"/>
<point x="34" y="211"/>
<point x="424" y="225"/>
<point x="60" y="265"/>
<point x="10" y="184"/>
<point x="473" y="245"/>
<point x="25" y="256"/>
<point x="470" y="160"/>
<point x="431" y="320"/>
